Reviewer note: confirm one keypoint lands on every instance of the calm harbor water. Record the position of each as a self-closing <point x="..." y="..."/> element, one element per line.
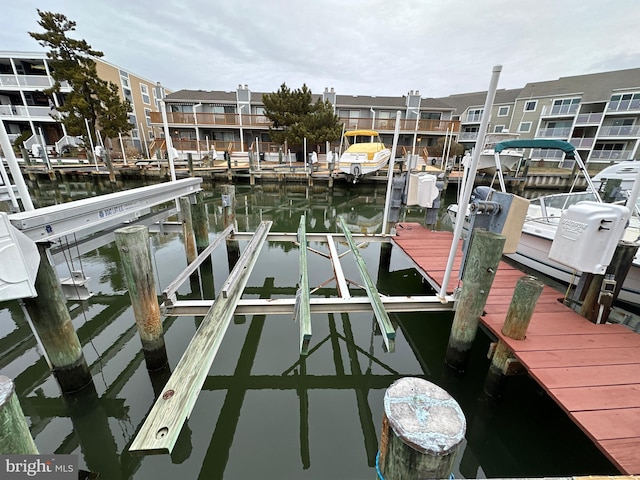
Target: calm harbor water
<point x="264" y="411"/>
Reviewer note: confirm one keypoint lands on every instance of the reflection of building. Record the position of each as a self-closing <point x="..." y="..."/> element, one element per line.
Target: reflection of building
<point x="24" y="106"/>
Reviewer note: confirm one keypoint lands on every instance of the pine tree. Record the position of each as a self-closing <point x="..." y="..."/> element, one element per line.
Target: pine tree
<point x="295" y="117"/>
<point x="91" y="97"/>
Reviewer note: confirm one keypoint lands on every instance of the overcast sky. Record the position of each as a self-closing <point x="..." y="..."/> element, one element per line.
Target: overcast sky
<point x="359" y="47"/>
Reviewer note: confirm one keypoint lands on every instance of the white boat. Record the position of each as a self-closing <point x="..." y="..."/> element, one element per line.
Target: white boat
<point x="509" y="158"/>
<point x="365" y="154"/>
<point x="543" y="217"/>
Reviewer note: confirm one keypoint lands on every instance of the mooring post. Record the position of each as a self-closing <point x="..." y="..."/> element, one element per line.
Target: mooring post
<point x="422" y="430"/>
<point x="107" y="160"/>
<point x="135" y="255"/>
<point x="187" y="229"/>
<point x="229" y="218"/>
<point x="190" y="163"/>
<point x="15" y="437"/>
<point x="523" y="303"/>
<point x="483" y="258"/>
<point x="619" y="268"/>
<point x="52" y="323"/>
<point x="200" y="219"/>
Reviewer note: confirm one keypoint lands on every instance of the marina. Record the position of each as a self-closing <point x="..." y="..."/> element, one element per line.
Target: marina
<point x="258" y="375"/>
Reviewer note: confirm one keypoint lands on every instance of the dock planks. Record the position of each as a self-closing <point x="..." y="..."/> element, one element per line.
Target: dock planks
<point x="591" y="371"/>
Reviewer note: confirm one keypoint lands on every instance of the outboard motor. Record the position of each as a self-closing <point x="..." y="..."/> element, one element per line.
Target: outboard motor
<point x="481" y="193"/>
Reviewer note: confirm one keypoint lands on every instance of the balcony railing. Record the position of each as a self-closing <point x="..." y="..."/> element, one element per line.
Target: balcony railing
<point x="589" y="118"/>
<point x="624" y="105"/>
<point x="546" y="153"/>
<point x="21" y="111"/>
<point x="581" y="142"/>
<point x="564" y="109"/>
<point x="474" y="118"/>
<point x="611" y="154"/>
<point x="620" y="131"/>
<point x="234" y="120"/>
<point x="468" y="137"/>
<point x="25" y="81"/>
<point x="560" y="132"/>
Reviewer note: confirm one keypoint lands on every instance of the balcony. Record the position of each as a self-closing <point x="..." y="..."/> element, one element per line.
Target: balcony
<point x="547" y="153"/>
<point x="20" y="111"/>
<point x="582" y="142"/>
<point x="561" y="132"/>
<point x="561" y="110"/>
<point x="468" y="137"/>
<point x="234" y="119"/>
<point x="624" y="105"/>
<point x="25" y="81"/>
<point x="610" y="154"/>
<point x="589" y="118"/>
<point x="620" y="131"/>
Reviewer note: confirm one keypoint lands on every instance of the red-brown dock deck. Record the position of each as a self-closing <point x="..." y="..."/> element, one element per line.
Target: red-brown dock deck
<point x="591" y="371"/>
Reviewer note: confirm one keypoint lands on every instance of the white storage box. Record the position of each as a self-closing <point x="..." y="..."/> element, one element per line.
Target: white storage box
<point x="587" y="236"/>
<point x="427" y="190"/>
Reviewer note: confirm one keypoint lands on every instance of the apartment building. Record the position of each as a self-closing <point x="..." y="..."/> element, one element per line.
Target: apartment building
<point x="597" y="113"/>
<point x="25" y="107"/>
<point x="200" y="120"/>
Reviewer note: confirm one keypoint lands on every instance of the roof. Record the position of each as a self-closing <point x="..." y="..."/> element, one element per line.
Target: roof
<point x="202" y="95"/>
<point x="460" y="102"/>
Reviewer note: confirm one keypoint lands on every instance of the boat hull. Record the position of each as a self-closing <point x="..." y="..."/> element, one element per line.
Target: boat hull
<point x="358" y="164"/>
<point x="533" y="252"/>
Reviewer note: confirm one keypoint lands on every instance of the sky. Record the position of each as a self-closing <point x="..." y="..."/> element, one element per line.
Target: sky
<point x="358" y="47"/>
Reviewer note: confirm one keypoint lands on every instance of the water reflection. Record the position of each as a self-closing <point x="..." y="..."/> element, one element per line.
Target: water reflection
<point x="264" y="411"/>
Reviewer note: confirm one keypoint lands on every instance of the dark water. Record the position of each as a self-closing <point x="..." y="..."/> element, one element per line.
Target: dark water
<point x="264" y="411"/>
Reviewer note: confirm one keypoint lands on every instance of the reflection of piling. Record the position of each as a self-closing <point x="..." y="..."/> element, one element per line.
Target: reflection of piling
<point x="482" y="261"/>
<point x="229" y="218"/>
<point x="52" y="322"/>
<point x="422" y="430"/>
<point x="187" y="229"/>
<point x="135" y="255"/>
<point x="15" y="437"/>
<point x="523" y="303"/>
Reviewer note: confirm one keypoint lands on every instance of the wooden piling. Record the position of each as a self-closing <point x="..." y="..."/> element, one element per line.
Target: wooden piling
<point x="15" y="437"/>
<point x="618" y="267"/>
<point x="187" y="229"/>
<point x="521" y="308"/>
<point x="52" y="323"/>
<point x="200" y="219"/>
<point x="107" y="160"/>
<point x="135" y="255"/>
<point x="229" y="218"/>
<point x="482" y="261"/>
<point x="422" y="430"/>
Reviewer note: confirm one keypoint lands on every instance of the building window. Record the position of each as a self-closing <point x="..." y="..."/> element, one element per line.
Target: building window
<point x="565" y="106"/>
<point x="530" y="106"/>
<point x="503" y="111"/>
<point x="147" y="114"/>
<point x="626" y="101"/>
<point x="475" y="115"/>
<point x="127" y="94"/>
<point x="430" y="115"/>
<point x="498" y="128"/>
<point x="132" y="119"/>
<point x="145" y="94"/>
<point x="525" y="127"/>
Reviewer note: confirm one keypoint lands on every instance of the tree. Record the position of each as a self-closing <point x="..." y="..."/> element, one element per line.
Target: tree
<point x="91" y="97"/>
<point x="295" y="117"/>
<point x="437" y="149"/>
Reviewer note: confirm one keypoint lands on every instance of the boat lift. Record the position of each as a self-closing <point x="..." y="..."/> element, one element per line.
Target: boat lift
<point x="160" y="430"/>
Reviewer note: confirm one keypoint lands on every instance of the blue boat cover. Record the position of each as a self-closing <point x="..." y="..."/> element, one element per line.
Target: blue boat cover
<point x="531" y="143"/>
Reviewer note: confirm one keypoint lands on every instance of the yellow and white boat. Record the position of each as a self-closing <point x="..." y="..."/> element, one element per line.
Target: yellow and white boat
<point x="366" y="154"/>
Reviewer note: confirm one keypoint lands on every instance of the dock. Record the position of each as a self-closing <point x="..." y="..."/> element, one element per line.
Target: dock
<point x="591" y="371"/>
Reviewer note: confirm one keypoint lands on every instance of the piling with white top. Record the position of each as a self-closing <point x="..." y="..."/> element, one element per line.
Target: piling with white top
<point x="422" y="430"/>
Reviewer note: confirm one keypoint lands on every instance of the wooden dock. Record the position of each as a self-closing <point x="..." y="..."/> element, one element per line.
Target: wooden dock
<point x="591" y="371"/>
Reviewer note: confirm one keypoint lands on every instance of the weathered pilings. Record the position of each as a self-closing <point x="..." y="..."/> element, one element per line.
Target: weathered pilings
<point x="422" y="430"/>
<point x="521" y="308"/>
<point x="200" y="222"/>
<point x="15" y="437"/>
<point x="482" y="261"/>
<point x="229" y="218"/>
<point x="618" y="267"/>
<point x="52" y="323"/>
<point x="187" y="229"/>
<point x="135" y="255"/>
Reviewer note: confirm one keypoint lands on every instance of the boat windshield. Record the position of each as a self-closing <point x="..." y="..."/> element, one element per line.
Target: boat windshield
<point x="549" y="208"/>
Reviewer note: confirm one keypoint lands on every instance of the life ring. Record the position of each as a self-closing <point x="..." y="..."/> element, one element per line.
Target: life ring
<point x="433" y="161"/>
